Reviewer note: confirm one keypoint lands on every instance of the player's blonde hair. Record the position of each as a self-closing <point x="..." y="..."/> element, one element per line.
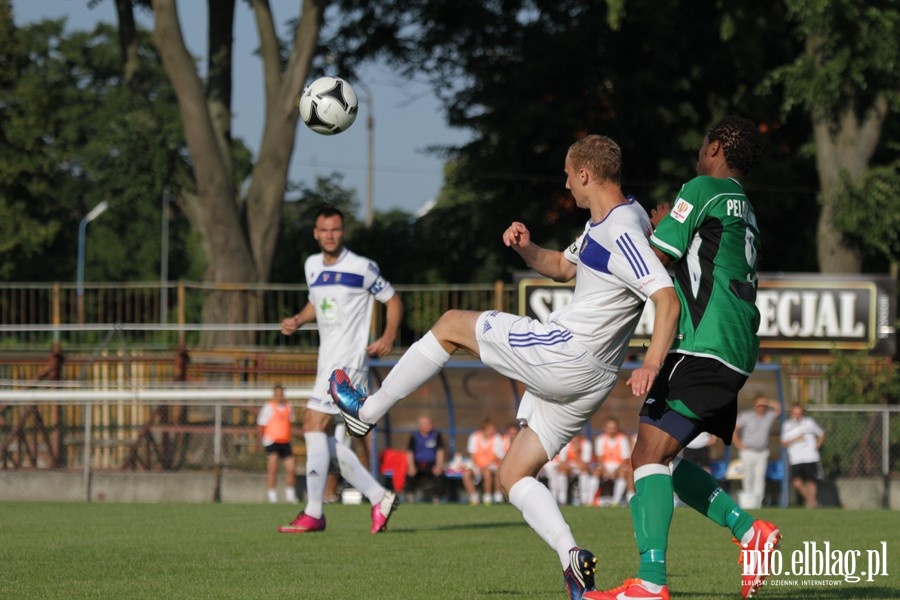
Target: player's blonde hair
<point x="600" y="155"/>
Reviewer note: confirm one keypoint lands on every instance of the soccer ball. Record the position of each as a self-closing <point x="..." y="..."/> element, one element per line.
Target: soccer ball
<point x="328" y="105"/>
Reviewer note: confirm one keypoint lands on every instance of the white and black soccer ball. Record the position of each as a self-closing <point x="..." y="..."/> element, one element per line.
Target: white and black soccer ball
<point x="328" y="105"/>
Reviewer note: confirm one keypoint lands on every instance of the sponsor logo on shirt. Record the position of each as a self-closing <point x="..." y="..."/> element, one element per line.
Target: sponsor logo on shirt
<point x="681" y="210"/>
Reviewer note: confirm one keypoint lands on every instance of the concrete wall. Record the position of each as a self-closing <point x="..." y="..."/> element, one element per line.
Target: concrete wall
<point x="198" y="487"/>
<point x="860" y="492"/>
<point x="239" y="487"/>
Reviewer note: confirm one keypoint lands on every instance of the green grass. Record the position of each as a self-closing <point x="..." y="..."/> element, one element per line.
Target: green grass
<point x="136" y="551"/>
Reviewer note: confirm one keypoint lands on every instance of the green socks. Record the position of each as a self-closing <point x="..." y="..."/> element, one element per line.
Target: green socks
<point x="651" y="514"/>
<point x="699" y="490"/>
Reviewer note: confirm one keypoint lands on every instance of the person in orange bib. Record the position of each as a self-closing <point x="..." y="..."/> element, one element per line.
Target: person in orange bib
<point x="274" y="421"/>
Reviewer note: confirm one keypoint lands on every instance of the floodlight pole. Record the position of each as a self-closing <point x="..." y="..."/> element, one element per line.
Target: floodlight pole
<point x="79" y="276"/>
<point x="164" y="259"/>
<point x="370" y="153"/>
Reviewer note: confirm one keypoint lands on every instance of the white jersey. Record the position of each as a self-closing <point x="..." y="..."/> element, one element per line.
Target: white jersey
<point x="343" y="295"/>
<point x="803" y="451"/>
<point x="570" y="364"/>
<point x="608" y="254"/>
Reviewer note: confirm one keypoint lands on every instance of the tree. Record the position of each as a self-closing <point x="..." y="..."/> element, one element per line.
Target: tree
<point x="531" y="77"/>
<point x="868" y="214"/>
<point x="847" y="80"/>
<point x="31" y="212"/>
<point x="239" y="233"/>
<point x="76" y="135"/>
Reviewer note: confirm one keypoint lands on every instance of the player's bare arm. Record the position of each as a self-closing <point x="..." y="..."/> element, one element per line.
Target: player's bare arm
<point x="383" y="345"/>
<point x="549" y="263"/>
<point x="291" y="324"/>
<point x="665" y="323"/>
<point x="657" y="214"/>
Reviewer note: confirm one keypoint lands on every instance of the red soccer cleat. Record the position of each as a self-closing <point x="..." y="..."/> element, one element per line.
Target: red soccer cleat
<point x="631" y="589"/>
<point x="756" y="556"/>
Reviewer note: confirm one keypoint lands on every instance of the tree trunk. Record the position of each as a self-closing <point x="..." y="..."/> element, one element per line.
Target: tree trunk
<point x="282" y="90"/>
<point x="128" y="42"/>
<point x="845" y="147"/>
<point x="239" y="240"/>
<point x="230" y="260"/>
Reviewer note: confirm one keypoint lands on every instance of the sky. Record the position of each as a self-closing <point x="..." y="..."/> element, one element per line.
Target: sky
<point x="407" y="116"/>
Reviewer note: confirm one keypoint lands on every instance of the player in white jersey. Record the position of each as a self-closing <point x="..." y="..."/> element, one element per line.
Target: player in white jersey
<point x="569" y="363"/>
<point x="342" y="289"/>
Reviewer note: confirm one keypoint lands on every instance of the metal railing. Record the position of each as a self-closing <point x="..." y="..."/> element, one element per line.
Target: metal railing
<point x="155" y="315"/>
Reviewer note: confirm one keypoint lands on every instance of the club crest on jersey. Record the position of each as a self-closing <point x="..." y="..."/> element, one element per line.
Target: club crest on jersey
<point x="681" y="210"/>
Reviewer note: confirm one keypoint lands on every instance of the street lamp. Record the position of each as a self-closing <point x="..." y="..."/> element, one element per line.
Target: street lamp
<point x="79" y="277"/>
<point x="164" y="257"/>
<point x="369" y="101"/>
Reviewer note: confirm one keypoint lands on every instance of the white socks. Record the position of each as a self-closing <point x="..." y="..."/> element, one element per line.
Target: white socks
<point x="317" y="460"/>
<point x="542" y="513"/>
<point x="357" y="475"/>
<point x="421" y="362"/>
<point x="619" y="486"/>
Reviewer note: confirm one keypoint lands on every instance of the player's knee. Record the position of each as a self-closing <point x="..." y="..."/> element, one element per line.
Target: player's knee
<point x="506" y="478"/>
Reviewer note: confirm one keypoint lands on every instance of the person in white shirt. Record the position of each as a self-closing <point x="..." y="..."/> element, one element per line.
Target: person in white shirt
<point x="342" y="289"/>
<point x="803" y="437"/>
<point x="569" y="362"/>
<point x="751" y="438"/>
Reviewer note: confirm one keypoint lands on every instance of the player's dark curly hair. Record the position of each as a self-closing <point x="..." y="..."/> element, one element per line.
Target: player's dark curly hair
<point x="740" y="140"/>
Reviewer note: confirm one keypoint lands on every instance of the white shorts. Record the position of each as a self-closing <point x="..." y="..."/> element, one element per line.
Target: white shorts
<point x="564" y="384"/>
<point x="610" y="468"/>
<point x="321" y="401"/>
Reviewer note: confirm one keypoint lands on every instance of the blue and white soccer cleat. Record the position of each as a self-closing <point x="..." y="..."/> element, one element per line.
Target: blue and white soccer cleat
<point x="348" y="400"/>
<point x="579" y="577"/>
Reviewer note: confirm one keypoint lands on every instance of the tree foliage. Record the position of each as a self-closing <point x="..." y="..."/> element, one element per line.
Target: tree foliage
<point x="847" y="80"/>
<point x="75" y="136"/>
<point x="855" y="378"/>
<point x="98" y="116"/>
<point x="868" y="212"/>
<point x="530" y="77"/>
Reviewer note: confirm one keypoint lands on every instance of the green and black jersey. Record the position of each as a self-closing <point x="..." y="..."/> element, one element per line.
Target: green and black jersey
<point x="712" y="236"/>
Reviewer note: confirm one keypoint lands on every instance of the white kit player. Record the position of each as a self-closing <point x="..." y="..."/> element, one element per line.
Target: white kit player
<point x="568" y="364"/>
<point x="342" y="289"/>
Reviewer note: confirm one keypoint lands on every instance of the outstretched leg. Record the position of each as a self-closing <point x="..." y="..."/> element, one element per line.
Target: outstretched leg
<point x="517" y="474"/>
<point x="422" y="361"/>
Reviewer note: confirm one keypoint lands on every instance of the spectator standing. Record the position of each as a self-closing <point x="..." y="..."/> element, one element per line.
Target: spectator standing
<point x="274" y="421"/>
<point x="751" y="438"/>
<point x="803" y="437"/>
<point x="426" y="458"/>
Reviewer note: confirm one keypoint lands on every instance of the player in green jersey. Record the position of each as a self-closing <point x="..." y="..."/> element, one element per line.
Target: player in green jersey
<point x="710" y="241"/>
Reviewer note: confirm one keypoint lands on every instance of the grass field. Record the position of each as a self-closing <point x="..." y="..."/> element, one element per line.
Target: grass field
<point x="138" y="551"/>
